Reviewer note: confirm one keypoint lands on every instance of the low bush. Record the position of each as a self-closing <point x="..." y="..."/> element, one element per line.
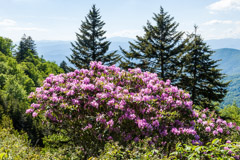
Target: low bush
<point x="212" y="150"/>
<point x="16" y="146"/>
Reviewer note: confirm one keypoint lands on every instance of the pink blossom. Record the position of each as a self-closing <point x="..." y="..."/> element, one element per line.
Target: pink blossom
<point x="155" y="123"/>
<point x="228" y="141"/>
<point x="208" y="129"/>
<point x="199" y="120"/>
<point x="94" y="104"/>
<point x="220" y="130"/>
<point x="226" y="148"/>
<point x="110" y="123"/>
<point x="230" y="124"/>
<point x="34" y="114"/>
<point x="30" y="110"/>
<point x="204" y="123"/>
<point x="175" y="131"/>
<point x="215" y="132"/>
<point x="204" y="116"/>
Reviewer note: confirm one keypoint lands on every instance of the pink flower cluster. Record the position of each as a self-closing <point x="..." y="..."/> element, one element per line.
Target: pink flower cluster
<point x="129" y="104"/>
<point x="210" y="126"/>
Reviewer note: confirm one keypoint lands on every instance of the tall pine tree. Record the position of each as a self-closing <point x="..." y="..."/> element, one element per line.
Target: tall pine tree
<point x="158" y="50"/>
<point x="27" y="47"/>
<point x="200" y="74"/>
<point x="91" y="44"/>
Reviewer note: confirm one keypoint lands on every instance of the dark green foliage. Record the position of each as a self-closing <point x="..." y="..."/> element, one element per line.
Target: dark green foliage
<point x="17" y="80"/>
<point x="6" y="46"/>
<point x="16" y="145"/>
<point x="212" y="150"/>
<point x="14" y="89"/>
<point x="91" y="44"/>
<point x="200" y="74"/>
<point x="231" y="113"/>
<point x="26" y="49"/>
<point x="140" y="150"/>
<point x="64" y="66"/>
<point x="158" y="51"/>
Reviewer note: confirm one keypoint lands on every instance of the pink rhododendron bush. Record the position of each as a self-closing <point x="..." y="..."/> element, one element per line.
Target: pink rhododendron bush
<point x="105" y="103"/>
<point x="108" y="103"/>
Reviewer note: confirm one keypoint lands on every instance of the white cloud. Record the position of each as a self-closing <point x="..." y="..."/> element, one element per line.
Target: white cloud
<point x="222" y="5"/>
<point x="27" y="29"/>
<point x="7" y="22"/>
<point x="215" y="21"/>
<point x="216" y="30"/>
<point x="221" y="22"/>
<point x="125" y="33"/>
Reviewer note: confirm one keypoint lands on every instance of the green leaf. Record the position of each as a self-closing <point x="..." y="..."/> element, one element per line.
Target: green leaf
<point x="215" y="141"/>
<point x="3" y="155"/>
<point x="198" y="149"/>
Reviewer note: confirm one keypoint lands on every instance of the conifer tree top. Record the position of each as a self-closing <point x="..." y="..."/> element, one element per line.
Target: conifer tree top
<point x="158" y="50"/>
<point x="91" y="44"/>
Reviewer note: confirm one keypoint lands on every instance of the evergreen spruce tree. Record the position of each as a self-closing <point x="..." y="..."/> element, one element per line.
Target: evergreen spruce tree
<point x="27" y="47"/>
<point x="91" y="44"/>
<point x="64" y="66"/>
<point x="158" y="50"/>
<point x="200" y="74"/>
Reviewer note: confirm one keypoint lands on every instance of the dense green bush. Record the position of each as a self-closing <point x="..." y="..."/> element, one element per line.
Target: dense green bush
<point x="231" y="113"/>
<point x="16" y="146"/>
<point x="140" y="150"/>
<point x="17" y="80"/>
<point x="212" y="150"/>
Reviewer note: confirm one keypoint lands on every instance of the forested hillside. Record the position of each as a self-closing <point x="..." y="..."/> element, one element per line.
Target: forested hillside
<point x="229" y="60"/>
<point x="233" y="94"/>
<point x="18" y="77"/>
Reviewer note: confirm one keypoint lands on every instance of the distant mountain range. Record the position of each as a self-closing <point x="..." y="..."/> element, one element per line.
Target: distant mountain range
<point x="230" y="65"/>
<point x="58" y="50"/>
<point x="227" y="50"/>
<point x="54" y="50"/>
<point x="230" y="60"/>
<point x="224" y="43"/>
<point x="233" y="94"/>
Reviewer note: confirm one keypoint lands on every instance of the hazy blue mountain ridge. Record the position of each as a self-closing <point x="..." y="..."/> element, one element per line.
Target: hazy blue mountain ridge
<point x="58" y="50"/>
<point x="230" y="60"/>
<point x="224" y="43"/>
<point x="54" y="50"/>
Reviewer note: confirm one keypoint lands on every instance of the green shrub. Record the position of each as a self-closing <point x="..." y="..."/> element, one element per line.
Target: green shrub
<point x="16" y="146"/>
<point x="212" y="150"/>
<point x="140" y="150"/>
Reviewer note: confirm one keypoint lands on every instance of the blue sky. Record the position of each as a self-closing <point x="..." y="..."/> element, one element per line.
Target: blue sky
<point x="60" y="19"/>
